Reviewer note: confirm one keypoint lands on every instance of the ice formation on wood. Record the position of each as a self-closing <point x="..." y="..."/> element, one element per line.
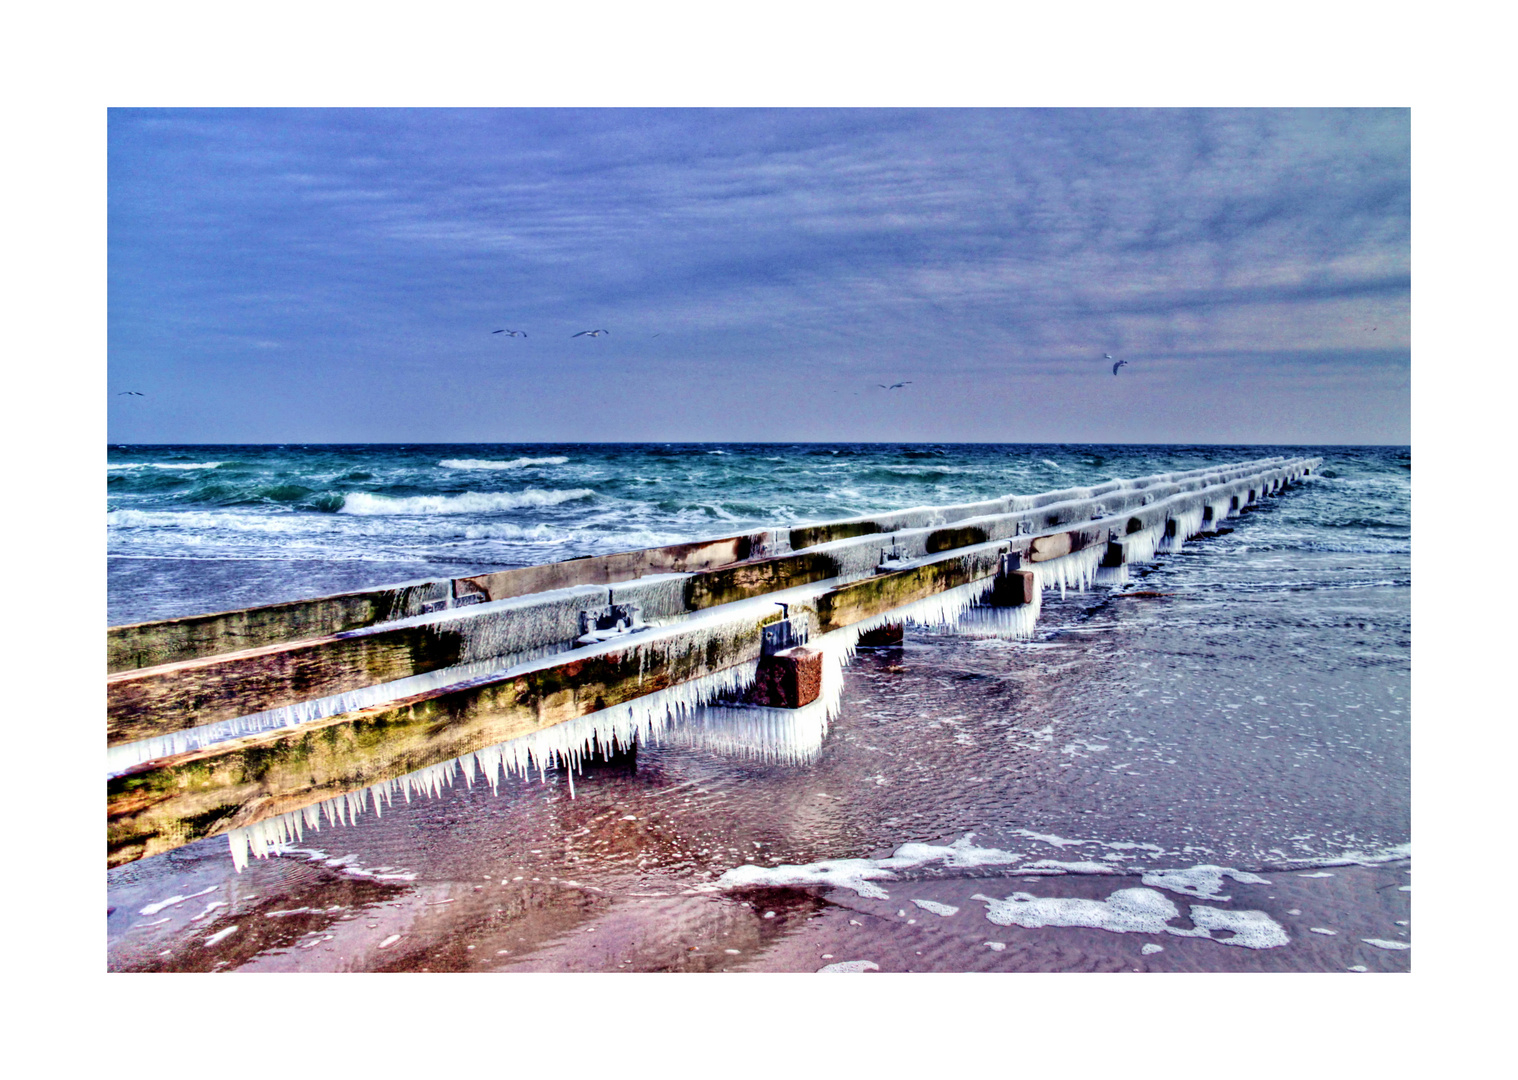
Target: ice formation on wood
<point x="124" y="756"/>
<point x="702" y="712"/>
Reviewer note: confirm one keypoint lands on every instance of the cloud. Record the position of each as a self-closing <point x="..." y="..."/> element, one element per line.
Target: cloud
<point x="791" y="238"/>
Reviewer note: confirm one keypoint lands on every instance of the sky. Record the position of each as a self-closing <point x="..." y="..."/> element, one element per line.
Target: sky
<point x="294" y="275"/>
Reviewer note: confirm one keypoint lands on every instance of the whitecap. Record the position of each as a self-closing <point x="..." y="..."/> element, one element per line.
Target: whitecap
<point x="514" y="463"/>
<point x="469" y="502"/>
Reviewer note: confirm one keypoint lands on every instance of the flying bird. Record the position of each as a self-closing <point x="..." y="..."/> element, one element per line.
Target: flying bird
<point x="513" y="333"/>
<point x="133" y="393"/>
<point x="894" y="386"/>
<point x="590" y="333"/>
<point x="1117" y="365"/>
<point x="1106" y="356"/>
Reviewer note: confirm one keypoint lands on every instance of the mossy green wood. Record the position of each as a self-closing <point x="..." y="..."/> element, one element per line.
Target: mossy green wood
<point x="156" y="701"/>
<point x="173" y="697"/>
<point x="149" y="644"/>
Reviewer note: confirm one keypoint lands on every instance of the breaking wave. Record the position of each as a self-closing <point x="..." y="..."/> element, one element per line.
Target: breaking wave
<point x="470" y="502"/>
<point x="514" y="463"/>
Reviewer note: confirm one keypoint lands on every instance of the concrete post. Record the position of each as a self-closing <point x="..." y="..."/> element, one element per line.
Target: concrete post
<point x="788" y="679"/>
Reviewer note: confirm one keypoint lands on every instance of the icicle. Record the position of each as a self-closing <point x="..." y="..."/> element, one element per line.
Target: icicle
<point x="1074" y="571"/>
<point x="1111" y="575"/>
<point x="1188" y="523"/>
<point x="1017" y="622"/>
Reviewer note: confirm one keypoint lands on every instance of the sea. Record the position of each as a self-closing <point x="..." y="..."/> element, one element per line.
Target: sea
<point x="1204" y="767"/>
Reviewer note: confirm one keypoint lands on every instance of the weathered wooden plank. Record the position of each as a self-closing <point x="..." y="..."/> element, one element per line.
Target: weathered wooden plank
<point x="868" y="597"/>
<point x="609" y="569"/>
<point x="149" y="644"/>
<point x="149" y="702"/>
<point x="1053" y="546"/>
<point x="153" y="644"/>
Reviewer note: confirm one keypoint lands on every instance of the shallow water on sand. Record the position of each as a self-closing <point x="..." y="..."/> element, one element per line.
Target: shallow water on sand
<point x="1253" y="715"/>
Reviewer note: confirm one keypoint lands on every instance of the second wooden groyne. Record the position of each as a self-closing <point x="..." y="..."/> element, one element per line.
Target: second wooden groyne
<point x="246" y="722"/>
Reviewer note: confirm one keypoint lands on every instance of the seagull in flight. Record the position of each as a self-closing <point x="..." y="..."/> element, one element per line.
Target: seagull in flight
<point x="1117" y="365"/>
<point x="134" y="393"/>
<point x="590" y="333"/>
<point x="513" y="333"/>
<point x="894" y="386"/>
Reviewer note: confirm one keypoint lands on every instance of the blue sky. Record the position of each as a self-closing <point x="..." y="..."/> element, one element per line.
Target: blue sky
<point x="334" y="276"/>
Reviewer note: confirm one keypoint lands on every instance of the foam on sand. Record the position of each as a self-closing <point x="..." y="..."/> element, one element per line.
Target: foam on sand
<point x="1251" y="929"/>
<point x="1203" y="880"/>
<point x="856" y="874"/>
<point x="1054" y="866"/>
<point x="1127" y="911"/>
<point x="1135" y="911"/>
<point x="220" y="935"/>
<point x="936" y="908"/>
<point x="860" y="875"/>
<point x="850" y="965"/>
<point x="1382" y="943"/>
<point x="154" y="909"/>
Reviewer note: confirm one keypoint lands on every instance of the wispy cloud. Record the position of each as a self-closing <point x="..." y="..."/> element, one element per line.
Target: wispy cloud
<point x="812" y="242"/>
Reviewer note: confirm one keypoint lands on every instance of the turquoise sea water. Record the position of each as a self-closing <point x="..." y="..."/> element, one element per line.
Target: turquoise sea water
<point x="202" y="528"/>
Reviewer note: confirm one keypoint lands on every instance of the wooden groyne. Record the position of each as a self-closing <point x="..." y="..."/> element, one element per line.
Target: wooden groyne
<point x="220" y="722"/>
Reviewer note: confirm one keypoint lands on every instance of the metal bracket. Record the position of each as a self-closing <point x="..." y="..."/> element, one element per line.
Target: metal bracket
<point x="891" y="559"/>
<point x="613" y="620"/>
<point x="779" y="636"/>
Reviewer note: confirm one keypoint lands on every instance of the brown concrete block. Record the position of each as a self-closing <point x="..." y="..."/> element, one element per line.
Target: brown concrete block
<point x="788" y="679"/>
<point x="1013" y="588"/>
<point x="890" y="634"/>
